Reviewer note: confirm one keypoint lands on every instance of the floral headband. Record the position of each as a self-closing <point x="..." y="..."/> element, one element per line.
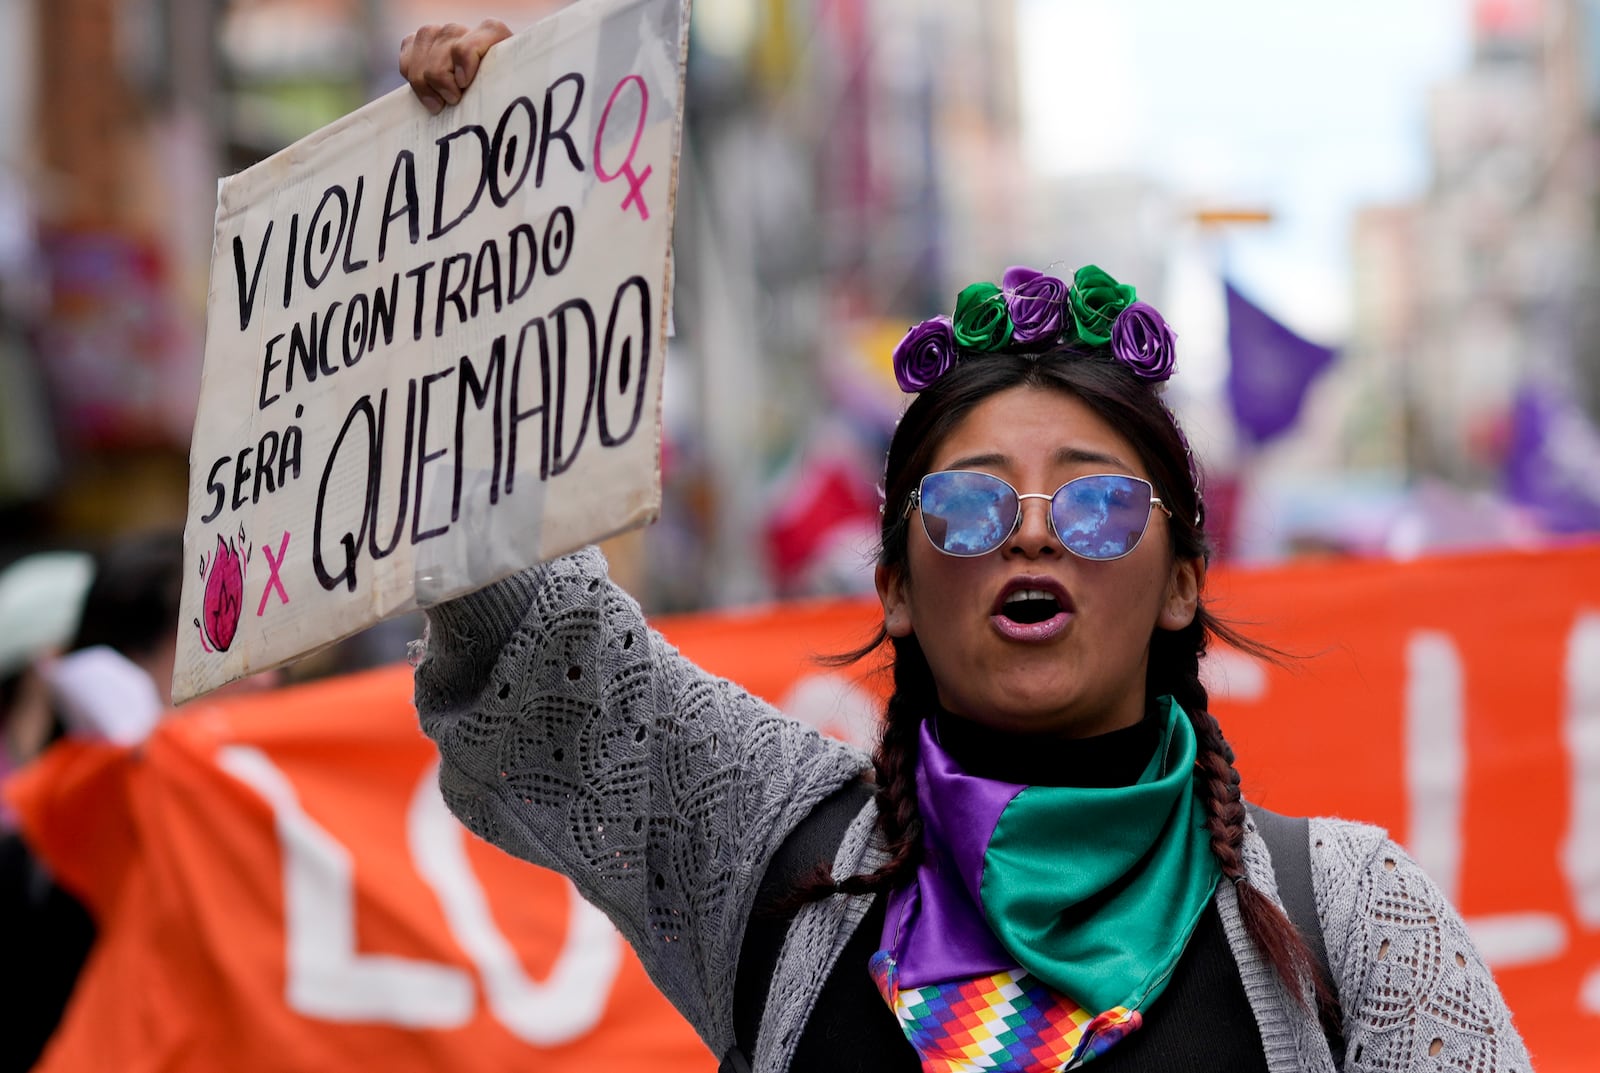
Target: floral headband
<point x="1031" y="309"/>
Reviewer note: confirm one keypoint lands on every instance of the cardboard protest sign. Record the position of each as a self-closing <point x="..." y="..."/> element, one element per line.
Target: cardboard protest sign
<point x="434" y="343"/>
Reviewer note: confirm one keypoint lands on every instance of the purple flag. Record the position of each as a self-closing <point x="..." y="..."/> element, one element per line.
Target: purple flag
<point x="1272" y="367"/>
<point x="1553" y="463"/>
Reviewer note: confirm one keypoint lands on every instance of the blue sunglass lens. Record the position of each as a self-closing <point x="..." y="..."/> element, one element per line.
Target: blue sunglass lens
<point x="967" y="513"/>
<point x="1101" y="517"/>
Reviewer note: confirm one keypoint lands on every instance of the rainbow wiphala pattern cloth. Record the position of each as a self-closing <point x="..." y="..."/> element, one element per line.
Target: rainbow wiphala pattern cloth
<point x="1008" y="1021"/>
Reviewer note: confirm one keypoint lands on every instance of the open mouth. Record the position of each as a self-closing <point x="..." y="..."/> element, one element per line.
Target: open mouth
<point x="1030" y="606"/>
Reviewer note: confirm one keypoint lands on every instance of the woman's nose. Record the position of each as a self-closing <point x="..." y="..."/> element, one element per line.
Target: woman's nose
<point x="1034" y="536"/>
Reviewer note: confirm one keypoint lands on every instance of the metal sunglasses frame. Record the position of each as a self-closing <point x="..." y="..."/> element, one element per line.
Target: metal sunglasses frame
<point x="914" y="502"/>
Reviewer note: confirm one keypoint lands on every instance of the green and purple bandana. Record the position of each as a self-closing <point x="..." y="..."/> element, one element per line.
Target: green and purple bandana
<point x="1092" y="892"/>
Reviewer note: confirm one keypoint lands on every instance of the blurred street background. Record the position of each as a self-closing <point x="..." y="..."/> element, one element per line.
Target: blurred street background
<point x="1374" y="229"/>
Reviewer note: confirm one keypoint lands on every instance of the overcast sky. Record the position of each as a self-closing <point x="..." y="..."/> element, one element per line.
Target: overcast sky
<point x="1306" y="110"/>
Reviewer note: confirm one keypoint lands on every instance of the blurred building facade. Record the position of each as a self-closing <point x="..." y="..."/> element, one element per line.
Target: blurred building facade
<point x="1483" y="285"/>
<point x="847" y="163"/>
<point x="843" y="157"/>
<point x="848" y="166"/>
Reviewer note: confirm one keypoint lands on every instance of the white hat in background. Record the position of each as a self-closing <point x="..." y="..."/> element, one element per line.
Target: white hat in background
<point x="41" y="601"/>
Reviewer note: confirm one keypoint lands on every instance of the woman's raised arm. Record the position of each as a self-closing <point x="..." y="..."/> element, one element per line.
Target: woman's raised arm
<point x="572" y="735"/>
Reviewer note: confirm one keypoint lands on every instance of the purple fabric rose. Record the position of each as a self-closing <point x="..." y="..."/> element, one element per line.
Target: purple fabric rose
<point x="1141" y="339"/>
<point x="1037" y="303"/>
<point x="926" y="353"/>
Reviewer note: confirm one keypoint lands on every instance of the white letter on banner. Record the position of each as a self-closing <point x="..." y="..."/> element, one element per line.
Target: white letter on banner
<point x="1436" y="756"/>
<point x="566" y="1005"/>
<point x="327" y="978"/>
<point x="1589" y="993"/>
<point x="1581" y="853"/>
<point x="1436" y="788"/>
<point x="836" y="706"/>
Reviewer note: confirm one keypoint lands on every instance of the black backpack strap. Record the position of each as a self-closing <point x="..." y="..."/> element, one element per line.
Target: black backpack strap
<point x="812" y="844"/>
<point x="1288" y="840"/>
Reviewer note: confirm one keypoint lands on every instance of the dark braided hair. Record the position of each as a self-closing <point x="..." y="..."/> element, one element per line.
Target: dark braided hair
<point x="895" y="762"/>
<point x="1130" y="406"/>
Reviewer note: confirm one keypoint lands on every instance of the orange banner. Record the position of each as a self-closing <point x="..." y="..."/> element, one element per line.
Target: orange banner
<point x="280" y="888"/>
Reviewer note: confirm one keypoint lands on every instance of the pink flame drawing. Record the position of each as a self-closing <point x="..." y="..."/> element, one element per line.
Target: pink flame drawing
<point x="224" y="598"/>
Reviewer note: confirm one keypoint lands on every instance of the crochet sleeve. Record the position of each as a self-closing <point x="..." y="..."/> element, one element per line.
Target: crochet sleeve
<point x="572" y="735"/>
<point x="1415" y="992"/>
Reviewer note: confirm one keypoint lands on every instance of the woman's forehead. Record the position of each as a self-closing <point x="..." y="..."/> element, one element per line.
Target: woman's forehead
<point x="1029" y="426"/>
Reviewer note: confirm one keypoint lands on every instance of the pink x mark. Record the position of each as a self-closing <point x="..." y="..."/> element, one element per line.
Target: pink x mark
<point x="273" y="580"/>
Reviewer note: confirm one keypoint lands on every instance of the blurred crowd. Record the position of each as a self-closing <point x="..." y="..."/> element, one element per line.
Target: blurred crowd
<point x="87" y="642"/>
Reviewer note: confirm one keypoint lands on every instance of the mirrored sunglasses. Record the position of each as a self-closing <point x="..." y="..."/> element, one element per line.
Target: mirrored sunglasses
<point x="1101" y="516"/>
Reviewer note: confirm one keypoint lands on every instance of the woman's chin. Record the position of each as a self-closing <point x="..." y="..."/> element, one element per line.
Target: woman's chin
<point x="1015" y="717"/>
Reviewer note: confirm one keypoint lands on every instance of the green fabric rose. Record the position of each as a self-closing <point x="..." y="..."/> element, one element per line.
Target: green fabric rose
<point x="1095" y="300"/>
<point x="982" y="321"/>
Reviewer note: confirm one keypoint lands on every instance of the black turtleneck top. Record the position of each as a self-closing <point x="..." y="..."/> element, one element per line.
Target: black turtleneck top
<point x="1201" y="1022"/>
<point x="1116" y="758"/>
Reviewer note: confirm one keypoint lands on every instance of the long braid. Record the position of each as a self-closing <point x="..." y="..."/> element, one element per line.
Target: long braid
<point x="1175" y="670"/>
<point x="895" y="764"/>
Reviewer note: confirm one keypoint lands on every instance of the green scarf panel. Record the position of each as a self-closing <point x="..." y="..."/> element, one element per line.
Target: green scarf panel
<point x="1096" y="891"/>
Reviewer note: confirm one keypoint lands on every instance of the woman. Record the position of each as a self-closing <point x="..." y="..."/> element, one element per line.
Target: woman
<point x="1047" y="859"/>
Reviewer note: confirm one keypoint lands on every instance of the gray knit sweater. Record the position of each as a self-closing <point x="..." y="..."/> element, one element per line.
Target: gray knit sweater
<point x="574" y="736"/>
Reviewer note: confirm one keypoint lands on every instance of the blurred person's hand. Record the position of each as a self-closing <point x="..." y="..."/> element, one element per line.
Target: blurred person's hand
<point x="441" y="61"/>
